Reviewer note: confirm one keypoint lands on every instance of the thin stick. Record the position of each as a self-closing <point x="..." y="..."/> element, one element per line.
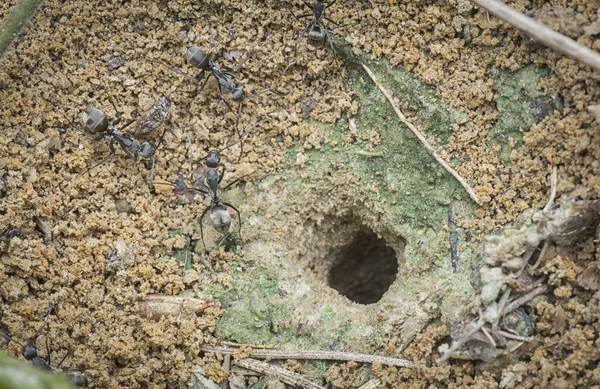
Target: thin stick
<point x="368" y="154"/>
<point x="233" y="344"/>
<point x="488" y="336"/>
<point x="458" y="343"/>
<point x="549" y="204"/>
<point x="516" y="303"/>
<point x="227" y="368"/>
<point x="156" y="306"/>
<point x="315" y="355"/>
<point x="501" y="305"/>
<point x="453" y="236"/>
<point x="428" y="147"/>
<point x="515" y="337"/>
<point x="371" y="384"/>
<point x="280" y="373"/>
<point x="541" y="33"/>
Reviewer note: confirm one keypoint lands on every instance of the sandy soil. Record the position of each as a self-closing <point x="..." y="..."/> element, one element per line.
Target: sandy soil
<point x="58" y="68"/>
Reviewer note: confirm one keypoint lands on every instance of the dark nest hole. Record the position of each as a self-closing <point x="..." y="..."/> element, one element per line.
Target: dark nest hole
<point x="364" y="268"/>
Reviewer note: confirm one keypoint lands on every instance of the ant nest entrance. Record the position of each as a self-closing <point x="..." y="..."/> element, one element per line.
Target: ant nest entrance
<point x="351" y="259"/>
<point x="364" y="269"/>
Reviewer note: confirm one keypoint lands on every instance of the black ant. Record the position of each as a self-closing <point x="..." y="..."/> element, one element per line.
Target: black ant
<point x="30" y="353"/>
<point x="220" y="219"/>
<point x="12" y="232"/>
<point x="315" y="33"/>
<point x="198" y="58"/>
<point x="96" y="122"/>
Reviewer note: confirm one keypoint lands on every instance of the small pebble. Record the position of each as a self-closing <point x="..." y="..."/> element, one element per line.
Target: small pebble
<point x="122" y="205"/>
<point x="114" y="63"/>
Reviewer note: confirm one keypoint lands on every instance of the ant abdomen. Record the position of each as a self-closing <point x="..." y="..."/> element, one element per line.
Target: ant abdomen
<point x="220" y="218"/>
<point x="197" y="57"/>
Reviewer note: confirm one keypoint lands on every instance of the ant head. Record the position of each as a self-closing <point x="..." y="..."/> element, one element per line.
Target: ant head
<point x="319" y="6"/>
<point x="237" y="94"/>
<point x="29" y="352"/>
<point x="213" y="159"/>
<point x="146" y="150"/>
<point x="94" y="120"/>
<point x="41" y="363"/>
<point x="197" y="57"/>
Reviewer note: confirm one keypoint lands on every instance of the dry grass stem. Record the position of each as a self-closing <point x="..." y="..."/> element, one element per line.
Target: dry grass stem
<point x="420" y="136"/>
<point x="277" y="372"/>
<point x="458" y="343"/>
<point x="516" y="303"/>
<point x="314" y="355"/>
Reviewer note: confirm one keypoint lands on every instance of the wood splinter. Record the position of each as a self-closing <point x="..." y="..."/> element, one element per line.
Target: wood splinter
<point x="156" y="306"/>
<point x="283" y="375"/>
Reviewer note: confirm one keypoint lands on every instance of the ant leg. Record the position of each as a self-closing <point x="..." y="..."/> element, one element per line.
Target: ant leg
<point x="152" y="170"/>
<point x="229" y="74"/>
<point x="234" y="182"/>
<point x="63" y="358"/>
<point x="306" y="3"/>
<point x="118" y="114"/>
<point x="162" y="136"/>
<point x="302" y="35"/>
<point x="204" y="83"/>
<point x="239" y="219"/>
<point x="221" y="176"/>
<point x="5" y="336"/>
<point x="333" y="22"/>
<point x="328" y="38"/>
<point x="257" y="94"/>
<point x="48" y="352"/>
<point x="46" y="319"/>
<point x="201" y="228"/>
<point x="129" y="123"/>
<point x="112" y="154"/>
<point x="126" y="150"/>
<point x="195" y="79"/>
<point x="221" y="93"/>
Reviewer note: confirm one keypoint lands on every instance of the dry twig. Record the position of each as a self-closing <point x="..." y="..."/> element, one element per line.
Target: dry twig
<point x="314" y="355"/>
<point x="233" y="344"/>
<point x="453" y="235"/>
<point x="156" y="306"/>
<point x="280" y="373"/>
<point x="227" y="368"/>
<point x="458" y="343"/>
<point x="420" y="136"/>
<point x="515" y="337"/>
<point x="516" y="303"/>
<point x="541" y="33"/>
<point x="371" y="384"/>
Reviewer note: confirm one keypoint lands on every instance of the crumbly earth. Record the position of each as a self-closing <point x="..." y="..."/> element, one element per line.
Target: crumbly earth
<point x="58" y="67"/>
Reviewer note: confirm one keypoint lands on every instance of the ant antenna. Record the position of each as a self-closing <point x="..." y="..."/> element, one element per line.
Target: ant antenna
<point x="5" y="336"/>
<point x="242" y="137"/>
<point x="63" y="358"/>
